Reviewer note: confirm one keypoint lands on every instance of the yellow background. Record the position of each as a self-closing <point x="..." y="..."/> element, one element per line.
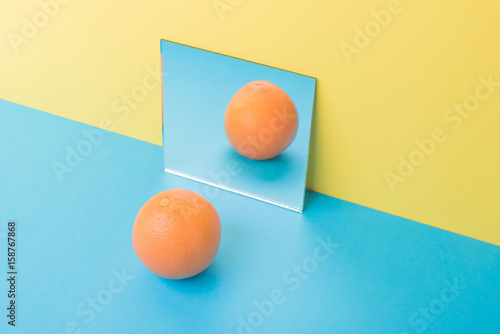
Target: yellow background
<point x="369" y="111"/>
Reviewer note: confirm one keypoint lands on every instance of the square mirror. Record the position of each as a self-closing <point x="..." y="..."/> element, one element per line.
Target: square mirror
<point x="234" y="146"/>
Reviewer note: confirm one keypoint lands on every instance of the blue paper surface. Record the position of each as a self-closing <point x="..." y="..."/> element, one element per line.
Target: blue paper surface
<point x="337" y="268"/>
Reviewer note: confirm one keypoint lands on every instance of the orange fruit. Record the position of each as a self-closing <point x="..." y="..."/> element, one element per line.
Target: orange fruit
<point x="261" y="120"/>
<point x="176" y="234"/>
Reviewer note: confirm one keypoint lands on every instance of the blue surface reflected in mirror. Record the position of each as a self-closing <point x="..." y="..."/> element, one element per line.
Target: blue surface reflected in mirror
<point x="197" y="87"/>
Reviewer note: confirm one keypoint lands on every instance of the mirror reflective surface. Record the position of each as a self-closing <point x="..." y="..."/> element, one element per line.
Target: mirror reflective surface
<point x="197" y="88"/>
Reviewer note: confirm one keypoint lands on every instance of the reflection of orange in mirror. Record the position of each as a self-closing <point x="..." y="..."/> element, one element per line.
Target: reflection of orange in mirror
<point x="261" y="120"/>
<point x="176" y="234"/>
